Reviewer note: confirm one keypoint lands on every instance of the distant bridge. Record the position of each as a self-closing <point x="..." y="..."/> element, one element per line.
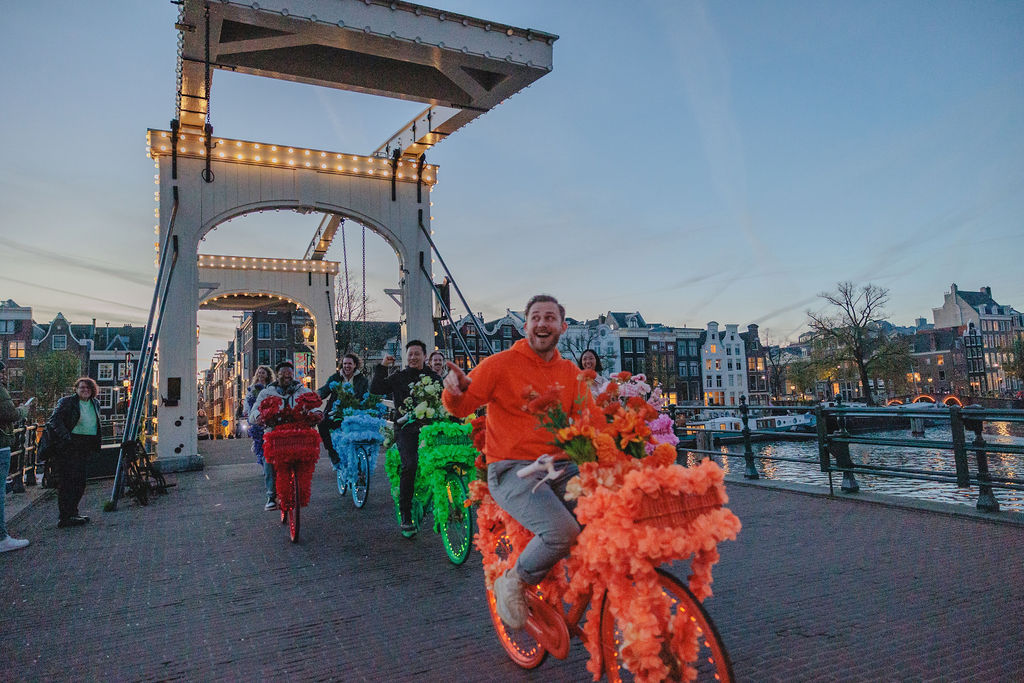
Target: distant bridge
<point x="944" y="399"/>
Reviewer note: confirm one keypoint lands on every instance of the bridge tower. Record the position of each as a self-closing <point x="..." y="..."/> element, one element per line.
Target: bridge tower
<point x="458" y="66"/>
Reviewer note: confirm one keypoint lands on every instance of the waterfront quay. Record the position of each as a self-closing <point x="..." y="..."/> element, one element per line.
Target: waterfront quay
<point x="202" y="584"/>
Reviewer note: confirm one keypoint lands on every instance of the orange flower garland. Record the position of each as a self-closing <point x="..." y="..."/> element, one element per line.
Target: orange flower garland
<point x="619" y="494"/>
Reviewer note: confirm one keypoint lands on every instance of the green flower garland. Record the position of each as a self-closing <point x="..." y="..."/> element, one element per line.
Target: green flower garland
<point x="441" y="443"/>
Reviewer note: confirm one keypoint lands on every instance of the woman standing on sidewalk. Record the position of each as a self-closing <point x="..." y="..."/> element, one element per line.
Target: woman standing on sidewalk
<point x="260" y="381"/>
<point x="74" y="428"/>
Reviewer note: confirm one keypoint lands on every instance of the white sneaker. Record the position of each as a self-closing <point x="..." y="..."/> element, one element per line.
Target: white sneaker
<point x="12" y="544"/>
<point x="511" y="600"/>
<point x="271" y="504"/>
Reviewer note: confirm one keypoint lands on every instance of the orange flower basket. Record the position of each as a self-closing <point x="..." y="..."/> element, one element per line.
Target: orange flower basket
<point x="675" y="511"/>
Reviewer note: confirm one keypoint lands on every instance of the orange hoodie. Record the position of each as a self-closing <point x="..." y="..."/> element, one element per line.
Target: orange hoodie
<point x="500" y="381"/>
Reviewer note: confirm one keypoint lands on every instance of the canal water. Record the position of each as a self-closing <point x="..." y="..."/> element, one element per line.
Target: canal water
<point x="930" y="459"/>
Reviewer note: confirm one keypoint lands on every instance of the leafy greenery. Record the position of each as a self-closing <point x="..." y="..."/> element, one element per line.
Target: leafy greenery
<point x="49" y="376"/>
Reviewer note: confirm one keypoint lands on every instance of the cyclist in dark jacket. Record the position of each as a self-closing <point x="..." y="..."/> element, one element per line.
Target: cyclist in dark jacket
<point x="407" y="434"/>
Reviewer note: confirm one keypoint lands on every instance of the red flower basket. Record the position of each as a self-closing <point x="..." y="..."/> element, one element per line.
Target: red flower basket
<point x="287" y="447"/>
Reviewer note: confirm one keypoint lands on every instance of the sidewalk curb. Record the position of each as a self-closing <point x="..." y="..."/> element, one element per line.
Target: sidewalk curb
<point x="884" y="500"/>
<point x="42" y="496"/>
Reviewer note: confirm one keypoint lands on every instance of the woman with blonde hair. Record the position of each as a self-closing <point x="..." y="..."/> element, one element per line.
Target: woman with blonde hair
<point x="72" y="436"/>
<point x="261" y="379"/>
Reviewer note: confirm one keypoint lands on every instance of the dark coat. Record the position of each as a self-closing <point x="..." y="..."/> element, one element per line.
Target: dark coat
<point x="397" y="385"/>
<point x="58" y="428"/>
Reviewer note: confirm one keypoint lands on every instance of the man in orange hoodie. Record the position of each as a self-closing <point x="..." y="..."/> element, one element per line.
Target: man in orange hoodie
<point x="515" y="440"/>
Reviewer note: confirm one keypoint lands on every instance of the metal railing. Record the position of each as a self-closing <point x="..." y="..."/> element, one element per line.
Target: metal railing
<point x="836" y="428"/>
<point x="23" y="457"/>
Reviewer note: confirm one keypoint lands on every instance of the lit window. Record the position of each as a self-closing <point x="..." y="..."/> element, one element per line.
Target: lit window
<point x="714" y="348"/>
<point x="16" y="349"/>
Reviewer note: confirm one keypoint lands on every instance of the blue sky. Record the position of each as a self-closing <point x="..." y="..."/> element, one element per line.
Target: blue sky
<point x="695" y="161"/>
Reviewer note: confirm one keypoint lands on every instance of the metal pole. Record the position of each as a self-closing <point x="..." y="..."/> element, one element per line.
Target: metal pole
<point x="748" y="452"/>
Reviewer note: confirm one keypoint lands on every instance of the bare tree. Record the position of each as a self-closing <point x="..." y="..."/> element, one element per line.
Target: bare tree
<point x="578" y="339"/>
<point x="850" y="329"/>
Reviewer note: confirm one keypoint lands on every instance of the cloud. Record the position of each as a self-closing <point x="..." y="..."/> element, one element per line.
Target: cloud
<point x="87" y="264"/>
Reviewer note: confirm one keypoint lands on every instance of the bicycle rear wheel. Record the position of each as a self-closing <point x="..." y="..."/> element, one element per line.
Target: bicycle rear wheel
<point x="712" y="662"/>
<point x="137" y="484"/>
<point x="521" y="647"/>
<point x="361" y="486"/>
<point x="457" y="533"/>
<point x="293" y="518"/>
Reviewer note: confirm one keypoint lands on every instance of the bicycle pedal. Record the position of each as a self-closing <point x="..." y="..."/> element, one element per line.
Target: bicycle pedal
<point x="547" y="626"/>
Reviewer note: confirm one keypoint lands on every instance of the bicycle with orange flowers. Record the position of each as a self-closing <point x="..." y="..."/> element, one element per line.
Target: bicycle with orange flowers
<point x="688" y="646"/>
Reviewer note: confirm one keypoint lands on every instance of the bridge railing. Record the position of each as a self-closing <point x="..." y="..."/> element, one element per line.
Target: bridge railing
<point x="837" y="427"/>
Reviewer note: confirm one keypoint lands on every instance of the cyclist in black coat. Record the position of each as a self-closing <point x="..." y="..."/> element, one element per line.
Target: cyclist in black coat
<point x="407" y="434"/>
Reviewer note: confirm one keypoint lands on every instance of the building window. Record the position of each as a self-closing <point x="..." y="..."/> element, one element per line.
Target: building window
<point x="124" y="370"/>
<point x="263" y="330"/>
<point x="106" y="397"/>
<point x="627" y="364"/>
<point x="640" y="347"/>
<point x="682" y="369"/>
<point x="641" y="365"/>
<point x="718" y="364"/>
<point x="694" y="367"/>
<point x="16" y="349"/>
<point x="713" y="348"/>
<point x="940" y="361"/>
<point x="59" y="342"/>
<point x="718" y="380"/>
<point x="263" y="357"/>
<point x="280" y="331"/>
<point x="280" y="356"/>
<point x="506" y="333"/>
<point x="728" y="350"/>
<point x="627" y="346"/>
<point x="105" y="372"/>
<point x="8" y="327"/>
<point x="728" y="365"/>
<point x="16" y="379"/>
<point x="732" y="380"/>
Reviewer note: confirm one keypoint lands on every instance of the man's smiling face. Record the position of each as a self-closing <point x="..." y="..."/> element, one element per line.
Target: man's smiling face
<point x="544" y="325"/>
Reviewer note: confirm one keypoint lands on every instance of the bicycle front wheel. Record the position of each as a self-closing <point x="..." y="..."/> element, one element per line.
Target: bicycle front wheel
<point x="712" y="662"/>
<point x="361" y="486"/>
<point x="293" y="518"/>
<point x="457" y="532"/>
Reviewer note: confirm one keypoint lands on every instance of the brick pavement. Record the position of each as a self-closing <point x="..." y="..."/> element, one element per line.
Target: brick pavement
<point x="204" y="585"/>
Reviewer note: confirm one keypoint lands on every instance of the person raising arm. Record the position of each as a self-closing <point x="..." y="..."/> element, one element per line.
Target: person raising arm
<point x="514" y="441"/>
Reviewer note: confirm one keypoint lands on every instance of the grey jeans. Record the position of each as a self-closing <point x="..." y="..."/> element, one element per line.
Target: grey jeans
<point x="544" y="512"/>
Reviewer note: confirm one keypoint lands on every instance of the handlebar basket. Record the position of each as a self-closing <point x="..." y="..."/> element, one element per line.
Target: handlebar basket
<point x="676" y="510"/>
<point x="286" y="444"/>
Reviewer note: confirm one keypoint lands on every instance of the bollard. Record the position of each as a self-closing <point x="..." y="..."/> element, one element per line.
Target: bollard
<point x="986" y="499"/>
<point x="841" y="452"/>
<point x="748" y="453"/>
<point x="917" y="426"/>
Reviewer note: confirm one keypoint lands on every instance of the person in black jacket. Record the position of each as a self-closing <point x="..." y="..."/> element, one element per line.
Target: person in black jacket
<point x="72" y="436"/>
<point x="407" y="434"/>
<point x="349" y="372"/>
